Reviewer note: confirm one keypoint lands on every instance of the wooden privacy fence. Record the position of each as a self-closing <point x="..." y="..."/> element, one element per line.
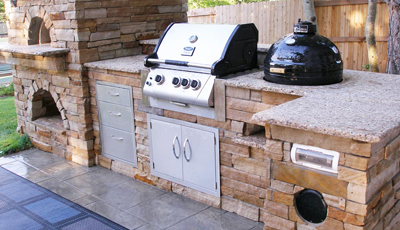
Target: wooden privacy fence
<point x="341" y="21"/>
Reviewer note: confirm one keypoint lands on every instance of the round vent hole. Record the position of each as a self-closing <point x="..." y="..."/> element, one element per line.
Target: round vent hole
<point x="311" y="206"/>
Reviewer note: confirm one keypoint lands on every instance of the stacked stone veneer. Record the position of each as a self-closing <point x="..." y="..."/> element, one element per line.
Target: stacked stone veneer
<point x="95" y="30"/>
<point x="258" y="179"/>
<point x="91" y="30"/>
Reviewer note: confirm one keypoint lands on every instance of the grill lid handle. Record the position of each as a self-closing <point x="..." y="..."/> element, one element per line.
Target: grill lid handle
<point x="153" y="61"/>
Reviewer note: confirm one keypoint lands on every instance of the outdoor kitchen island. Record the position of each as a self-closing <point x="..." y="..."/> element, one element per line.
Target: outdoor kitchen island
<point x="258" y="125"/>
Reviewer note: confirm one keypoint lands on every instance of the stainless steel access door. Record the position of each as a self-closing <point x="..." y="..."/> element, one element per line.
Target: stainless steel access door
<point x="166" y="145"/>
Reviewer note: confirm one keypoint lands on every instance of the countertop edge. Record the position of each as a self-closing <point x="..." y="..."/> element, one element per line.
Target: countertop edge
<point x="34" y="50"/>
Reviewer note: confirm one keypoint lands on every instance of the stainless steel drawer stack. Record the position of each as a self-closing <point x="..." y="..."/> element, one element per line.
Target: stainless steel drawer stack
<point x="117" y="130"/>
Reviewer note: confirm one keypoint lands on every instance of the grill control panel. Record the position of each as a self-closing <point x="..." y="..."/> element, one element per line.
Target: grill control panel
<point x="180" y="86"/>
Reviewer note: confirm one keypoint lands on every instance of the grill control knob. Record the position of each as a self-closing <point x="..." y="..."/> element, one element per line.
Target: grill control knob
<point x="159" y="79"/>
<point x="185" y="83"/>
<point x="195" y="84"/>
<point x="176" y="81"/>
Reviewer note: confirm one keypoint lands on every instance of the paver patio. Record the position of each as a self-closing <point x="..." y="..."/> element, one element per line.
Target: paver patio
<point x="124" y="200"/>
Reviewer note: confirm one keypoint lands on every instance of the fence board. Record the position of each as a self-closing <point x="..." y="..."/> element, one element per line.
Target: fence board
<point x="341" y="21"/>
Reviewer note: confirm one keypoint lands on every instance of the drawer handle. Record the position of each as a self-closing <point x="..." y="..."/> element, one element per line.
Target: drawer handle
<point x="184" y="150"/>
<point x="113" y="94"/>
<point x="178" y="103"/>
<point x="173" y="147"/>
<point x="115" y="114"/>
<point x="117" y="138"/>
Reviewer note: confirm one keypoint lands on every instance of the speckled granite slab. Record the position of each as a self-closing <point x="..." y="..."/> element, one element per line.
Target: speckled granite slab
<point x="36" y="50"/>
<point x="364" y="107"/>
<point x="132" y="64"/>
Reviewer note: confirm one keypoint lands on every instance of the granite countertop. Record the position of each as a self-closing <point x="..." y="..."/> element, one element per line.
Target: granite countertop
<point x="364" y="106"/>
<point x="132" y="64"/>
<point x="35" y="50"/>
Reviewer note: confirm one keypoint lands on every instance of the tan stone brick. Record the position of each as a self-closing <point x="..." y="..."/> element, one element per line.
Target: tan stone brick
<point x="95" y="13"/>
<point x="180" y="116"/>
<point x="309" y="179"/>
<point x="86" y="145"/>
<point x="105" y="162"/>
<point x="353" y="176"/>
<point x="357" y="193"/>
<point x="125" y="169"/>
<point x="241" y="208"/>
<point x="282" y="186"/>
<point x="237" y="126"/>
<point x="244" y="177"/>
<point x="60" y="81"/>
<point x="87" y="55"/>
<point x="246" y="105"/>
<point x="283" y="198"/>
<point x="321" y="140"/>
<point x="272" y="98"/>
<point x="235" y="149"/>
<point x="238" y="115"/>
<point x="252" y="166"/>
<point x="276" y="222"/>
<point x="355" y="162"/>
<point x="276" y="209"/>
<point x="239" y="93"/>
<point x="240" y="186"/>
<point x="196" y="195"/>
<point x="356" y="208"/>
<point x="226" y="158"/>
<point x="392" y="147"/>
<point x="330" y="224"/>
<point x="255" y="95"/>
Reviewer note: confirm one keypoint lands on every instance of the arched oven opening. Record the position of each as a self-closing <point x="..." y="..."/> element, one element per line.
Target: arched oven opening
<point x="38" y="32"/>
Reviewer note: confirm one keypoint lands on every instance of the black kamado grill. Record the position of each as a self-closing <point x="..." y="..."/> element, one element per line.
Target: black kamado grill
<point x="303" y="58"/>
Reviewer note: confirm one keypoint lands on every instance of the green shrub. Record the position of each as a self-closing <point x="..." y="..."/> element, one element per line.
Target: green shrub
<point x="7" y="90"/>
<point x="10" y="140"/>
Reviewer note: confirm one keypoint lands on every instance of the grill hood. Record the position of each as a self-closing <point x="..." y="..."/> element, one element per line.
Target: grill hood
<point x="220" y="49"/>
<point x="303" y="58"/>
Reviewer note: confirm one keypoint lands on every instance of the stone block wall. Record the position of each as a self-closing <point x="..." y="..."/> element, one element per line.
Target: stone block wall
<point x="95" y="30"/>
<point x="258" y="179"/>
<point x="91" y="30"/>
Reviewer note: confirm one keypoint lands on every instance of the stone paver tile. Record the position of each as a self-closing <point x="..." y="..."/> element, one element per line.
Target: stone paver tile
<point x="167" y="210"/>
<point x="103" y="176"/>
<point x="129" y="194"/>
<point x="123" y="218"/>
<point x="148" y="227"/>
<point x="86" y="200"/>
<point x="215" y="219"/>
<point x="6" y="160"/>
<point x="63" y="189"/>
<point x="65" y="170"/>
<point x="39" y="159"/>
<point x="26" y="171"/>
<point x="87" y="187"/>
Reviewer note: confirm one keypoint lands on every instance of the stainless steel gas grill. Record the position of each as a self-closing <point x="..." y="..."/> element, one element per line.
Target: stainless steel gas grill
<point x="187" y="59"/>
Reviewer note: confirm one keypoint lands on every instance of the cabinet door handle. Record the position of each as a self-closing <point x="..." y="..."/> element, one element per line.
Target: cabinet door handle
<point x="173" y="147"/>
<point x="113" y="94"/>
<point x="117" y="138"/>
<point x="115" y="114"/>
<point x="184" y="150"/>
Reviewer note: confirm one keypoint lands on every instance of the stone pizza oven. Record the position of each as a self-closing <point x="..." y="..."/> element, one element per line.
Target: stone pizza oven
<point x="49" y="41"/>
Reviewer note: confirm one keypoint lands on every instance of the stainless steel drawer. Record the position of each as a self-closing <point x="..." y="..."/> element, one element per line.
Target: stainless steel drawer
<point x="116" y="116"/>
<point x="114" y="95"/>
<point x="118" y="144"/>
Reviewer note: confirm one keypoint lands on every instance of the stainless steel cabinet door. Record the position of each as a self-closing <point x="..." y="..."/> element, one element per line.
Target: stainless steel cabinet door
<point x="166" y="144"/>
<point x="199" y="157"/>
